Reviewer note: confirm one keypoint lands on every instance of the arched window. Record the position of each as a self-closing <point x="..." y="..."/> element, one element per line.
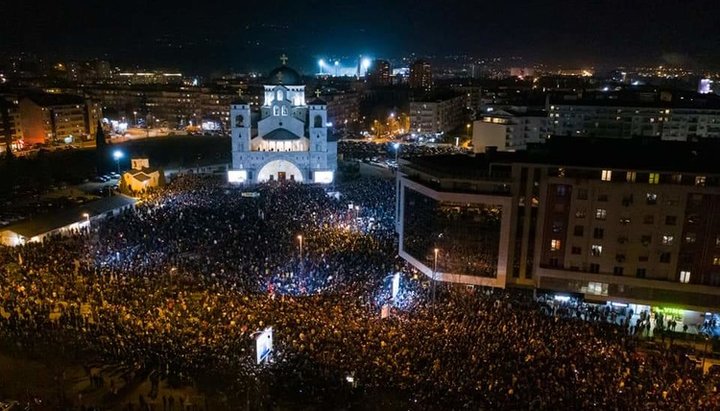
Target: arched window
<point x="317" y="121"/>
<point x="276" y="111"/>
<point x="284" y="110"/>
<point x="239" y="121"/>
<point x="279" y="96"/>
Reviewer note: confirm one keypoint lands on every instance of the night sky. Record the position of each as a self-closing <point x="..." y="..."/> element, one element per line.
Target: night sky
<point x="247" y="34"/>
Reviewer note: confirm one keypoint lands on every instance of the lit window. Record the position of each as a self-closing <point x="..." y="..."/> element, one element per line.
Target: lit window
<point x="276" y="111"/>
<point x="684" y="277"/>
<point x="555" y="245"/>
<point x="690" y="238"/>
<point x="654" y="178"/>
<point x="630" y="176"/>
<point x="700" y="181"/>
<point x="677" y="178"/>
<point x="667" y="239"/>
<point x="651" y="198"/>
<point x="601" y="214"/>
<point x="606" y="175"/>
<point x="596" y="250"/>
<point x="716" y="260"/>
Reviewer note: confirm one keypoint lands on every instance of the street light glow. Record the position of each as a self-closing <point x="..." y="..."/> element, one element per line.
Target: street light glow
<point x="117" y="154"/>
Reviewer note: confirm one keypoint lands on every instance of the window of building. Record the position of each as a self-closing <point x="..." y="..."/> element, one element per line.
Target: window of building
<point x="594" y="268"/>
<point x="576" y="250"/>
<point x="582" y="194"/>
<point x="716" y="260"/>
<point x="717" y="241"/>
<point x="649" y="219"/>
<point x="670" y="220"/>
<point x="276" y="111"/>
<point x="555" y="245"/>
<point x="690" y="238"/>
<point x="651" y="198"/>
<point x="664" y="257"/>
<point x="700" y="181"/>
<point x="640" y="273"/>
<point x="561" y="190"/>
<point x="606" y="175"/>
<point x="677" y="178"/>
<point x="284" y="111"/>
<point x="646" y="240"/>
<point x="668" y="239"/>
<point x="580" y="213"/>
<point x="600" y="214"/>
<point x="654" y="178"/>
<point x="596" y="250"/>
<point x="559" y="207"/>
<point x="557" y="226"/>
<point x="620" y="258"/>
<point x="598" y="233"/>
<point x="684" y="277"/>
<point x="624" y="220"/>
<point x="578" y="231"/>
<point x="618" y="270"/>
<point x="603" y="197"/>
<point x="630" y="176"/>
<point x="317" y="121"/>
<point x="279" y="96"/>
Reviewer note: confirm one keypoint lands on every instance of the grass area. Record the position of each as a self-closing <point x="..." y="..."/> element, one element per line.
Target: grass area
<point x="31" y="175"/>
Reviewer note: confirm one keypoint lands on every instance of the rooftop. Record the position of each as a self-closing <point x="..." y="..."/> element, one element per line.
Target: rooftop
<point x="42" y="224"/>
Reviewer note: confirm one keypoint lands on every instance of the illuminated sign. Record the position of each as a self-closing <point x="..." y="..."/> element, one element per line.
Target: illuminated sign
<point x="237" y="176"/>
<point x="395" y="285"/>
<point x="264" y="344"/>
<point x="323" y="177"/>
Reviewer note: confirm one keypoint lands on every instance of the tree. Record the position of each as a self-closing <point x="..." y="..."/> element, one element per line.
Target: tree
<point x="100" y="148"/>
<point x="5" y="117"/>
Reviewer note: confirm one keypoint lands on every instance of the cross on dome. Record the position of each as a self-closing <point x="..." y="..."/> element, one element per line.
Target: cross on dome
<point x="240" y="92"/>
<point x="284" y="59"/>
<point x="317" y="93"/>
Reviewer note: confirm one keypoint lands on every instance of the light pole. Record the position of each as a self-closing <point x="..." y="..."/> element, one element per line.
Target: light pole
<point x="300" y="239"/>
<point x="434" y="279"/>
<point x="87" y="218"/>
<point x="397" y="152"/>
<point x="468" y="130"/>
<point x="117" y="155"/>
<point x="357" y="212"/>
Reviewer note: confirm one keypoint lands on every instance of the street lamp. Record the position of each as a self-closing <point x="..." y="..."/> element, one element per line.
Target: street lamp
<point x="300" y="239"/>
<point x="87" y="218"/>
<point x="433" y="277"/>
<point x="396" y="146"/>
<point x="117" y="155"/>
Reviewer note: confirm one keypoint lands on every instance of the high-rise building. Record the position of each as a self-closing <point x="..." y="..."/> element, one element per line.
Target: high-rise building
<point x="10" y="124"/>
<point x="437" y="115"/>
<point x="379" y="73"/>
<point x="57" y="117"/>
<point x="670" y="116"/>
<point x="632" y="222"/>
<point x="510" y="129"/>
<point x="420" y="75"/>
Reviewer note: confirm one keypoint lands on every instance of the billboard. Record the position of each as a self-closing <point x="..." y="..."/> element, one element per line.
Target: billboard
<point x="237" y="176"/>
<point x="263" y="344"/>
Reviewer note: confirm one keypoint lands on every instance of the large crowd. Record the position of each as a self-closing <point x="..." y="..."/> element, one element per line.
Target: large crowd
<point x="179" y="286"/>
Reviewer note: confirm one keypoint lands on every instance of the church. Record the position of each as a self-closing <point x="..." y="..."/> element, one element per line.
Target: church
<point x="289" y="141"/>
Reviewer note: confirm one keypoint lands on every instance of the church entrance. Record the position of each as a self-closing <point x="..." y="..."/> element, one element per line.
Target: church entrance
<point x="280" y="170"/>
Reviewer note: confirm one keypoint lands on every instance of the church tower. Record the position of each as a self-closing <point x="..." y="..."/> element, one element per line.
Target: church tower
<point x="317" y="116"/>
<point x="241" y="127"/>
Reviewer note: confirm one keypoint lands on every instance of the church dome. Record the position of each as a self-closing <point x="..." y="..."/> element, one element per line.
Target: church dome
<point x="284" y="75"/>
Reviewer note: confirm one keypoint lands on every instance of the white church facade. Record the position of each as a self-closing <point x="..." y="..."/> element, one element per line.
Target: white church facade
<point x="289" y="141"/>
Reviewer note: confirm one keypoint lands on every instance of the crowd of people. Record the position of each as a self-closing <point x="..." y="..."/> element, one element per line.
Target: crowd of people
<point x="179" y="286"/>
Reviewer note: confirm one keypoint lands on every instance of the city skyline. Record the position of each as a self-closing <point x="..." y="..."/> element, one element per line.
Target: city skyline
<point x="250" y="36"/>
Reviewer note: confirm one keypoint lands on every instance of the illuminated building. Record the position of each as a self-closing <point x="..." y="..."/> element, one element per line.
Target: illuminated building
<point x="670" y="116"/>
<point x="509" y="130"/>
<point x="437" y="115"/>
<point x="10" y="123"/>
<point x="289" y="142"/>
<point x="57" y="118"/>
<point x="625" y="221"/>
<point x="379" y="73"/>
<point x="420" y="75"/>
